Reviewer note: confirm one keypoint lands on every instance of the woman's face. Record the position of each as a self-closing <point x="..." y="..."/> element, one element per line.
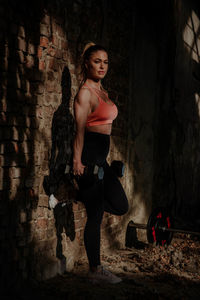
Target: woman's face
<point x="97" y="65"/>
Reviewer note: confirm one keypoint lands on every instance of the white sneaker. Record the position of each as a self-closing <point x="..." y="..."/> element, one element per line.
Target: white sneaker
<point x="103" y="275"/>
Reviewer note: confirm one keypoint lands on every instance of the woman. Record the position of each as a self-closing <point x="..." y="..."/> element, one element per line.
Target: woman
<point x="94" y="113"/>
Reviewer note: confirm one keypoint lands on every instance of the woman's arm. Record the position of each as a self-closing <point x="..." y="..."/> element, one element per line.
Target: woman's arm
<point x="82" y="108"/>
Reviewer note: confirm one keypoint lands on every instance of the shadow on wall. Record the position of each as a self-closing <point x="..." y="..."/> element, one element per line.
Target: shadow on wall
<point x="18" y="91"/>
<point x="177" y="167"/>
<point x="187" y="86"/>
<point x="57" y="183"/>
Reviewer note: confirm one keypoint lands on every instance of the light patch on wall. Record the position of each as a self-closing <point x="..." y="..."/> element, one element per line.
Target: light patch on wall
<point x="140" y="210"/>
<point x="197" y="100"/>
<point x="190" y="36"/>
<point x="194" y="21"/>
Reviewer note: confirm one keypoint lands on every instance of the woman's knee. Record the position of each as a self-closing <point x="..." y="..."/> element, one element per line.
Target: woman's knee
<point x="124" y="209"/>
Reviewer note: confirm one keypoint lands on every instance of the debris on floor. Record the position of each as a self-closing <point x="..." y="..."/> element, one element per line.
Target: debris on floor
<point x="148" y="272"/>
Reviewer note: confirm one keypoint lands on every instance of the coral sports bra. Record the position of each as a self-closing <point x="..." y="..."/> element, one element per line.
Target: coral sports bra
<point x="105" y="112"/>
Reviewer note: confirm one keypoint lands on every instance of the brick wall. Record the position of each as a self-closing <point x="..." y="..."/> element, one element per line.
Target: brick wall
<point x="38" y="43"/>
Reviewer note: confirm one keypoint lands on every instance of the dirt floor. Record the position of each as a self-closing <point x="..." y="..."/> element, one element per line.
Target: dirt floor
<point x="148" y="272"/>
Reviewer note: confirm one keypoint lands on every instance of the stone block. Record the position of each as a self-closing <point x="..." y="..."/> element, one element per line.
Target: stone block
<point x="50" y="233"/>
<point x="43" y="200"/>
<point x="39" y="52"/>
<point x="41" y="212"/>
<point x="44" y="30"/>
<point x="50" y="86"/>
<point x="21" y="32"/>
<point x="45" y="20"/>
<point x="52" y="51"/>
<point x="30" y="62"/>
<point x="64" y="45"/>
<point x="55" y="40"/>
<point x="65" y="56"/>
<point x="44" y="42"/>
<point x="40" y="235"/>
<point x="53" y="64"/>
<point x="42" y="224"/>
<point x="3" y="119"/>
<point x="75" y="206"/>
<point x="22" y="44"/>
<point x="31" y="49"/>
<point x="16" y="172"/>
<point x="58" y="53"/>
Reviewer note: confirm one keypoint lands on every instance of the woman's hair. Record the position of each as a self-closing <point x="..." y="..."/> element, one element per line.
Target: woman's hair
<point x="88" y="50"/>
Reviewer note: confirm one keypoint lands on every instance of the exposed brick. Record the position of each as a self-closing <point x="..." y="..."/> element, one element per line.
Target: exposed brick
<point x="75" y="206"/>
<point x="77" y="215"/>
<point x="22" y="44"/>
<point x="65" y="56"/>
<point x="79" y="223"/>
<point x="58" y="54"/>
<point x="50" y="87"/>
<point x="53" y="64"/>
<point x="21" y="32"/>
<point x="64" y="45"/>
<point x="50" y="233"/>
<point x="43" y="200"/>
<point x="3" y="119"/>
<point x="41" y="212"/>
<point x="39" y="52"/>
<point x="55" y="41"/>
<point x="45" y="19"/>
<point x="44" y="42"/>
<point x="40" y="235"/>
<point x="29" y="61"/>
<point x="16" y="172"/>
<point x="42" y="65"/>
<point x="42" y="223"/>
<point x="51" y="51"/>
<point x="31" y="49"/>
<point x="44" y="30"/>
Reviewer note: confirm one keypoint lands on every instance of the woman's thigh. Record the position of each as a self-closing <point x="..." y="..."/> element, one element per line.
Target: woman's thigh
<point x="92" y="196"/>
<point x="115" y="200"/>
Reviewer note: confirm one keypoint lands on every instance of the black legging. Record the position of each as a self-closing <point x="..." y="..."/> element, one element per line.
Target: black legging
<point x="98" y="195"/>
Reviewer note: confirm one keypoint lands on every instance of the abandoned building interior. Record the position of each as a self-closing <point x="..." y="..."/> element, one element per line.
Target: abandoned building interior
<point x="154" y="80"/>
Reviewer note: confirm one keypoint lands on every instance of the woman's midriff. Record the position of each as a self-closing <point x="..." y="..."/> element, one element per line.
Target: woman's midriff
<point x="104" y="128"/>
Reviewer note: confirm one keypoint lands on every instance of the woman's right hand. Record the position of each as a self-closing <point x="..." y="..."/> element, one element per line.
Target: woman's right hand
<point x="78" y="168"/>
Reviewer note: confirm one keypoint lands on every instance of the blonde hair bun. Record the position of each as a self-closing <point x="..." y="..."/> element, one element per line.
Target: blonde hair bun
<point x="87" y="46"/>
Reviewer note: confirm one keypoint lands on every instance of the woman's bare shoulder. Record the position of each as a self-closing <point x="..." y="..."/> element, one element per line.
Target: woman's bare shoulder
<point x="84" y="94"/>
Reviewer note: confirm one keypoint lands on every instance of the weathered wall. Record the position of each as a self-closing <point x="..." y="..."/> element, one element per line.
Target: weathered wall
<point x="176" y="142"/>
<point x="154" y="80"/>
<point x="151" y="88"/>
<point x="185" y="138"/>
<point x="40" y="44"/>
